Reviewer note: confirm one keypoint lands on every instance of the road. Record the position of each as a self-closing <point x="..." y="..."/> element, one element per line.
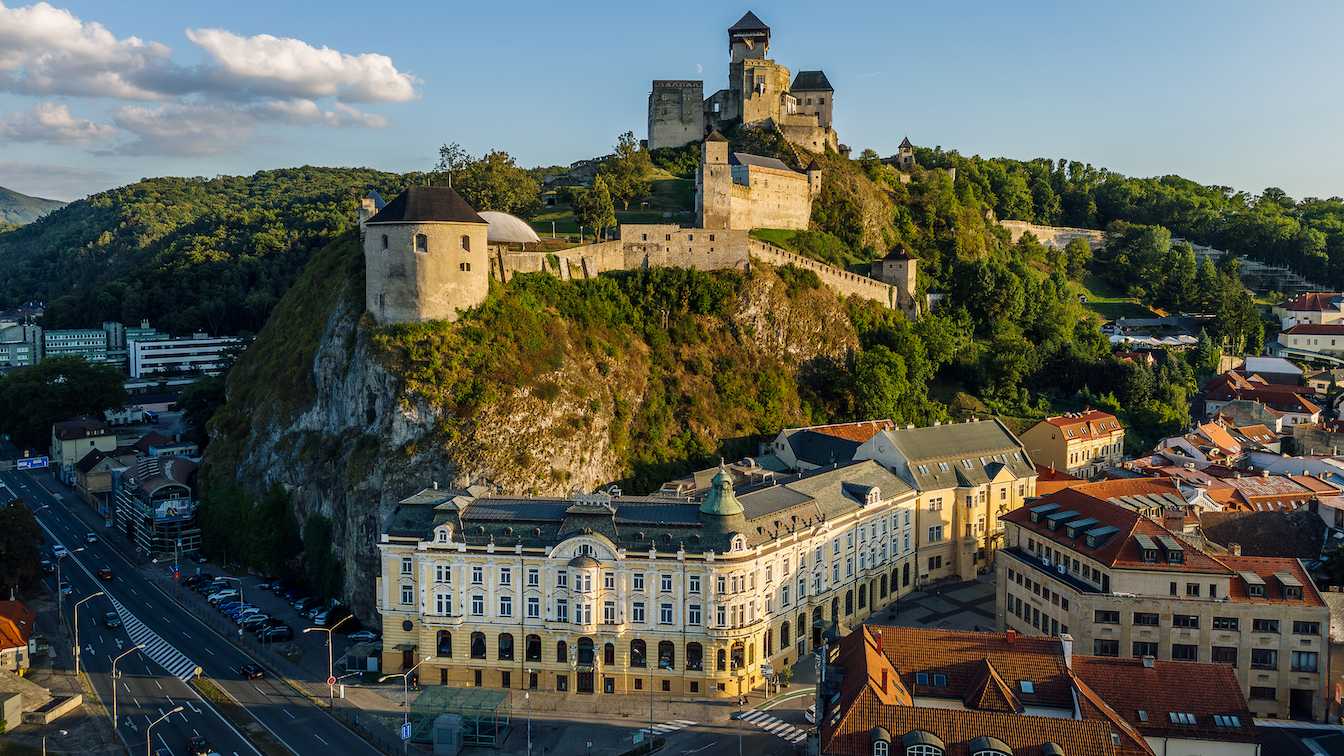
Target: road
<point x="153" y="680"/>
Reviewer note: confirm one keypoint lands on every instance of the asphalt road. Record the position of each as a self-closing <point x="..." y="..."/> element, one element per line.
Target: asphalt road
<point x="152" y="680"/>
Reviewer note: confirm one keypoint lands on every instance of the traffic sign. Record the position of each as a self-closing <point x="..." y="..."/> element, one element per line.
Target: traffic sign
<point x="406" y="731"/>
<point x="768" y="669"/>
<point x="31" y="463"/>
<point x="331" y="681"/>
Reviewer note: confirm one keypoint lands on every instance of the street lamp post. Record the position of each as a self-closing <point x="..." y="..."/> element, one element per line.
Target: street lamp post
<point x="406" y="693"/>
<point x="527" y="696"/>
<point x="148" y="739"/>
<point x="114" y="682"/>
<point x="77" y="603"/>
<point x="331" y="664"/>
<point x="739" y="714"/>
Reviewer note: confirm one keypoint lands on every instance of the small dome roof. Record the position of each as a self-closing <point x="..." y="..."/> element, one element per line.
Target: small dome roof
<point x="507" y="229"/>
<point x="583" y="560"/>
<point x="721" y="502"/>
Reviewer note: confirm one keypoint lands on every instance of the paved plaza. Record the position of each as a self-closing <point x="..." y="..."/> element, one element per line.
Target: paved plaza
<point x="968" y="605"/>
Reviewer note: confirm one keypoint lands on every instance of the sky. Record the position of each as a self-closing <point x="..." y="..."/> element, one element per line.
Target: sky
<point x="98" y="94"/>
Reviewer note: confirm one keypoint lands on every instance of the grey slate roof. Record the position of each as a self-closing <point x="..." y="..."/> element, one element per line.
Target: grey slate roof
<point x="811" y="81"/>
<point x="906" y="143"/>
<point x="743" y="158"/>
<point x="427" y="203"/>
<point x="748" y="22"/>
<point x="973" y="453"/>
<point x="1299" y="534"/>
<point x="820" y="448"/>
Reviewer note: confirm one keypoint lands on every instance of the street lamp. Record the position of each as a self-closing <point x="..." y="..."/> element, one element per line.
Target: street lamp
<point x="527" y="696"/>
<point x="331" y="668"/>
<point x="77" y="603"/>
<point x="149" y="740"/>
<point x="114" y="682"/>
<point x="406" y="693"/>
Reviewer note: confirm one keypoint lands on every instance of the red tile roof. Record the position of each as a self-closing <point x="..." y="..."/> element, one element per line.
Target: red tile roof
<point x="1316" y="329"/>
<point x="1315" y="301"/>
<point x="1201" y="690"/>
<point x="860" y="431"/>
<point x="16" y="624"/>
<point x="1267" y="568"/>
<point x="1086" y="424"/>
<point x="989" y="692"/>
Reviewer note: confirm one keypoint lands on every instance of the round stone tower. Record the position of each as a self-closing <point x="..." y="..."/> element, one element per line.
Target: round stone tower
<point x="425" y="256"/>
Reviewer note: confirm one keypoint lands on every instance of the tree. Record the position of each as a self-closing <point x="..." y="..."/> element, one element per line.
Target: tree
<point x="198" y="403"/>
<point x="593" y="207"/>
<point x="53" y="390"/>
<point x="20" y="541"/>
<point x="1077" y="256"/>
<point x="492" y="182"/>
<point x="627" y="173"/>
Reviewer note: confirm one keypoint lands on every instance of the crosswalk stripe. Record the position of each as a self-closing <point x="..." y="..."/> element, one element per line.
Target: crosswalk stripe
<point x="160" y="651"/>
<point x="775" y="726"/>
<point x="666" y="727"/>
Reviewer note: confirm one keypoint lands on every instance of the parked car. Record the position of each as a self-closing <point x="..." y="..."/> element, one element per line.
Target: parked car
<point x="282" y="585"/>
<point x="198" y="557"/>
<point x="234" y="612"/>
<point x="251" y="671"/>
<point x="256" y="619"/>
<point x="811" y="714"/>
<point x="294" y="594"/>
<point x="305" y="604"/>
<point x="59" y="551"/>
<point x="111" y="619"/>
<point x="364" y="636"/>
<point x="198" y="746"/>
<point x="90" y="538"/>
<point x="278" y="633"/>
<point x="105" y="573"/>
<point x="259" y="629"/>
<point x="211" y="586"/>
<point x="222" y="595"/>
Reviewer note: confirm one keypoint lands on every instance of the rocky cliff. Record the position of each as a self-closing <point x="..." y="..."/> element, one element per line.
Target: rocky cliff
<point x="627" y="379"/>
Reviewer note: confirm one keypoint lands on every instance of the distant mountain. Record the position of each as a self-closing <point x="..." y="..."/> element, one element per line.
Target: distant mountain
<point x="20" y="208"/>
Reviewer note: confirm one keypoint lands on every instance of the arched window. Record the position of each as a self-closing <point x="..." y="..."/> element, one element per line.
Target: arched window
<point x="738" y="655"/>
<point x="444" y="645"/>
<point x="849" y="603"/>
<point x="667" y="655"/>
<point x="880" y="739"/>
<point x="882" y="587"/>
<point x="638" y="653"/>
<point x="478" y="645"/>
<point x="922" y="743"/>
<point x="905" y="575"/>
<point x="466" y="243"/>
<point x="421" y="243"/>
<point x="609" y="654"/>
<point x="835" y="609"/>
<point x="505" y="646"/>
<point x="562" y="653"/>
<point x="863" y="596"/>
<point x="723" y="660"/>
<point x="384" y="242"/>
<point x="881" y="748"/>
<point x="784" y="635"/>
<point x="988" y="745"/>
<point x="695" y="656"/>
<point x="534" y="648"/>
<point x="585" y="651"/>
<point x="895" y="579"/>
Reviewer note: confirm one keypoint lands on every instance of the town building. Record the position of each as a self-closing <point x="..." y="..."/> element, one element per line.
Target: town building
<point x="1078" y="443"/>
<point x="16" y="632"/>
<point x="89" y="343"/>
<point x="94" y="474"/>
<point x="608" y="593"/>
<point x="966" y="475"/>
<point x="73" y="439"/>
<point x="20" y="345"/>
<point x="1124" y="586"/>
<point x="1290" y="401"/>
<point x="923" y="691"/>
<point x="1315" y="308"/>
<point x="200" y="354"/>
<point x="156" y="505"/>
<point x="821" y="445"/>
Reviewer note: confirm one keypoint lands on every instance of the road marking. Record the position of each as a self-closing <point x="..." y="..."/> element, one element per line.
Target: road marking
<point x="134" y="591"/>
<point x="208" y="651"/>
<point x="319" y="737"/>
<point x="291" y="716"/>
<point x="775" y="726"/>
<point x="259" y="690"/>
<point x="137" y="701"/>
<point x="701" y="748"/>
<point x="184" y="632"/>
<point x="666" y="727"/>
<point x="156" y="682"/>
<point x="127" y="687"/>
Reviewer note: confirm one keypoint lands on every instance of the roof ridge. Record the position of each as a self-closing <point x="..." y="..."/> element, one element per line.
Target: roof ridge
<point x="1107" y="710"/>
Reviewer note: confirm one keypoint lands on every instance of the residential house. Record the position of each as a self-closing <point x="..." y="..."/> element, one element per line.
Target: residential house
<point x="967" y="475"/>
<point x="1289" y="400"/>
<point x="1079" y="443"/>
<point x="93" y="476"/>
<point x="1248" y="412"/>
<point x="1209" y="443"/>
<point x="1310" y="341"/>
<point x="1124" y="586"/>
<point x="1320" y="381"/>
<point x="16" y="631"/>
<point x="73" y="439"/>
<point x="821" y="445"/>
<point x="1313" y="307"/>
<point x="894" y="690"/>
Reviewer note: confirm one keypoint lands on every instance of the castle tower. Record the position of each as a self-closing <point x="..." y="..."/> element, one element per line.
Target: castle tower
<point x="814" y="178"/>
<point x="905" y="159"/>
<point x="756" y="84"/>
<point x="425" y="257"/>
<point x="676" y="113"/>
<point x="748" y="38"/>
<point x="713" y="183"/>
<point x="900" y="269"/>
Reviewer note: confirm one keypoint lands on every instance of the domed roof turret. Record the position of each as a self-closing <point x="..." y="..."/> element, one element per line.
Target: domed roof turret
<point x="721" y="502"/>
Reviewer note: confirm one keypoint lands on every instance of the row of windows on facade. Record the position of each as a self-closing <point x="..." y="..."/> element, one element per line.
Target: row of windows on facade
<point x="1057" y="558"/>
<point x="1095" y="454"/>
<point x="422" y="243"/>
<point x="1261" y="658"/>
<point x="562" y="682"/>
<point x="1191" y="621"/>
<point x="735" y="615"/>
<point x="1043" y="622"/>
<point x="739" y="654"/>
<point x="966" y="463"/>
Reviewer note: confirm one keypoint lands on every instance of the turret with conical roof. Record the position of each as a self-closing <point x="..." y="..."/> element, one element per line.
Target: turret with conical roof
<point x="748" y="38"/>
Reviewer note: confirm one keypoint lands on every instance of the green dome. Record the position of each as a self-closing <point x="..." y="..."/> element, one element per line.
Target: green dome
<point x="720" y="502"/>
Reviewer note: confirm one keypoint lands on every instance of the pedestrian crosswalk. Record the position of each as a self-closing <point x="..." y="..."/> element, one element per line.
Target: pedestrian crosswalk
<point x="666" y="727"/>
<point x="775" y="726"/>
<point x="156" y="648"/>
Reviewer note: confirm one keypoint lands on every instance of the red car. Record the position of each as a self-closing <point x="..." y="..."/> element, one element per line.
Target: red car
<point x="197" y="746"/>
<point x="105" y="573"/>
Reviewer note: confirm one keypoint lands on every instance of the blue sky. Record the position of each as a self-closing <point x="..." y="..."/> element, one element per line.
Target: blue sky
<point x="99" y="94"/>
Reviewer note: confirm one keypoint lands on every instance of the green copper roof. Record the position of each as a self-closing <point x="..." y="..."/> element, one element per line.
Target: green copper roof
<point x="721" y="502"/>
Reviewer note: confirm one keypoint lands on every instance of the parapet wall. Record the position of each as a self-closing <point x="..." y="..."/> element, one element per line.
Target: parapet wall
<point x="843" y="282"/>
<point x="1053" y="236"/>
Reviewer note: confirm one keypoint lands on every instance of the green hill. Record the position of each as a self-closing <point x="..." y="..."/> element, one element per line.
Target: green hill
<point x="20" y="208"/>
<point x="189" y="254"/>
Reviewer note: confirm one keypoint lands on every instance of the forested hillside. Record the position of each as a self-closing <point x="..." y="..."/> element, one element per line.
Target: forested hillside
<point x="189" y="254"/>
<point x="18" y="208"/>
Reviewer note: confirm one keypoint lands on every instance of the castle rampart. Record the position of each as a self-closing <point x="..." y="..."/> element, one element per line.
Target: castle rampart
<point x="1054" y="236"/>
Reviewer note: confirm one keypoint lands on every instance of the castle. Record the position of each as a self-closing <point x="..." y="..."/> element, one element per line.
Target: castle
<point x="759" y="92"/>
<point x="735" y="190"/>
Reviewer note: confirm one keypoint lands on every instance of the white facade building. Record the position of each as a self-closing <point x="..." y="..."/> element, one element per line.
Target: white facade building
<point x="200" y="352"/>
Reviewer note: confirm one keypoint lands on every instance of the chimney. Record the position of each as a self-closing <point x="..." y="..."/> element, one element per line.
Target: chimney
<point x="436" y="485"/>
<point x="1149" y="662"/>
<point x="1234" y="547"/>
<point x="884" y="679"/>
<point x="1011" y="636"/>
<point x="877" y="636"/>
<point x="1066" y="644"/>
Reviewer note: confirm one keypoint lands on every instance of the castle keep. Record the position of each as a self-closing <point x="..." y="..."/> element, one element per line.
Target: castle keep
<point x="742" y="191"/>
<point x="759" y="92"/>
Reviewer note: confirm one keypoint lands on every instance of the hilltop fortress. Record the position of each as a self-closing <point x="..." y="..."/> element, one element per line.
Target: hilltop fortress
<point x="758" y="93"/>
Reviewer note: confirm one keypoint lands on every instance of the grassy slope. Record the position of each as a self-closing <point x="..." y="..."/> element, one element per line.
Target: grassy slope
<point x="1106" y="301"/>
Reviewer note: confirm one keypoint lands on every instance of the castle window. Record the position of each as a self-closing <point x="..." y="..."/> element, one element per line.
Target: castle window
<point x="464" y="266"/>
<point x="711" y="237"/>
<point x="466" y="243"/>
<point x="809" y="101"/>
<point x="668" y="237"/>
<point x="643" y="237"/>
<point x="821" y="100"/>
<point x="384" y="242"/>
<point x="421" y="243"/>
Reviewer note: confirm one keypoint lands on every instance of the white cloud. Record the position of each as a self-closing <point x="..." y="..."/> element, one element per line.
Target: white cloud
<point x="50" y="123"/>
<point x="285" y="67"/>
<point x="209" y="108"/>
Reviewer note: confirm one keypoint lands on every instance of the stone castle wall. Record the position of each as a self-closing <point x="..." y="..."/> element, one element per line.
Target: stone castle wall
<point x="769" y="198"/>
<point x="1053" y="236"/>
<point x="676" y="113"/>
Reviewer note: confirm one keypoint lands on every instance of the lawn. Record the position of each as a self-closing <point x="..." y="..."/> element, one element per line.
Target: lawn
<point x="670" y="195"/>
<point x="1110" y="303"/>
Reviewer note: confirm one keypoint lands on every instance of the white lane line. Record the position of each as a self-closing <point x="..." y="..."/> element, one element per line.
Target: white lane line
<point x="134" y="591"/>
<point x="291" y="716"/>
<point x="319" y="737"/>
<point x="208" y="651"/>
<point x="184" y="632"/>
<point x="127" y="687"/>
<point x="156" y="682"/>
<point x="137" y="701"/>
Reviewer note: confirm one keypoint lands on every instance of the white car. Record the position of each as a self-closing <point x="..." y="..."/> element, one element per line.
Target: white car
<point x="90" y="538"/>
<point x="811" y="714"/>
<point x="59" y="551"/>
